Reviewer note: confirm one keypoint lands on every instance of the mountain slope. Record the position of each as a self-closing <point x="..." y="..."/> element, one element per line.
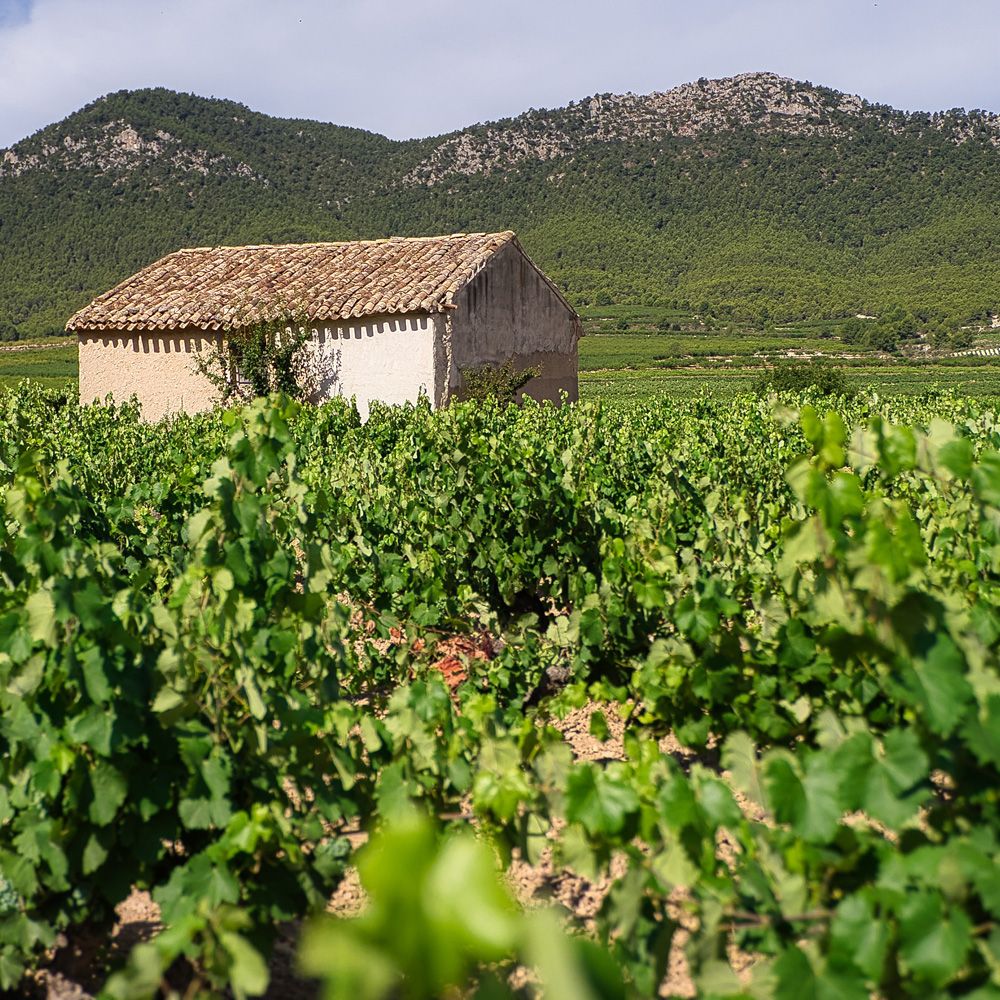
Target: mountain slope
<point x="756" y="196"/>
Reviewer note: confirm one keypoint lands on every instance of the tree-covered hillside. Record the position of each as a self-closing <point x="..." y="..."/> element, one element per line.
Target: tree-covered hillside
<point x="756" y="197"/>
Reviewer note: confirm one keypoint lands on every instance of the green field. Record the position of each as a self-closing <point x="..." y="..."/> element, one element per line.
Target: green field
<point x="627" y="352"/>
<point x="52" y="364"/>
<point x="642" y="362"/>
<point x="728" y="380"/>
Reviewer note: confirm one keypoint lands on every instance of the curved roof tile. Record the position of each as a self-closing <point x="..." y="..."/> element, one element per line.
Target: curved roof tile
<point x="215" y="288"/>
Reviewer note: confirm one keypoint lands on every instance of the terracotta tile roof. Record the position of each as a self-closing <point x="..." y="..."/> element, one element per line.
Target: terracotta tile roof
<point x="212" y="288"/>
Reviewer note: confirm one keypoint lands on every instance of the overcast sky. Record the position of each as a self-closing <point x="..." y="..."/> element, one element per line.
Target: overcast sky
<point x="422" y="67"/>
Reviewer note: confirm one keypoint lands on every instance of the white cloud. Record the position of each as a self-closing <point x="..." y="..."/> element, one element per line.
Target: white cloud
<point x="419" y="67"/>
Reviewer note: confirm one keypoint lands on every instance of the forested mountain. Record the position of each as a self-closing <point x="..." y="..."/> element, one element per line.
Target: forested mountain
<point x="755" y="196"/>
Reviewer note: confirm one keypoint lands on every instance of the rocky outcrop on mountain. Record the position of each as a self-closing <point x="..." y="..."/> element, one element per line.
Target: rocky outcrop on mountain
<point x="763" y="102"/>
<point x="116" y="147"/>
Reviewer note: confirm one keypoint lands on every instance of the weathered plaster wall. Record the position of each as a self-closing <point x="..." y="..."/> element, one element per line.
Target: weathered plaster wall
<point x="158" y="368"/>
<point x="390" y="359"/>
<point x="377" y="357"/>
<point x="509" y="311"/>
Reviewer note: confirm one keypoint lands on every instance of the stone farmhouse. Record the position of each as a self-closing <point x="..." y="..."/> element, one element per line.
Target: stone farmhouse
<point x="390" y="319"/>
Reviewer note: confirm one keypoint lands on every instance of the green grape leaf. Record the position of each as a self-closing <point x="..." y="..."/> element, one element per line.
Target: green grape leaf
<point x="933" y="941"/>
<point x="248" y="972"/>
<point x="597" y="801"/>
<point x="109" y="788"/>
<point x="986" y="478"/>
<point x="809" y="803"/>
<point x="939" y="685"/>
<point x="739" y="756"/>
<point x="41" y="617"/>
<point x="858" y="938"/>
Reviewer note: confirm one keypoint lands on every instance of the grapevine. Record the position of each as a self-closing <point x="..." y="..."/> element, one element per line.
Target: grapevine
<point x="226" y="647"/>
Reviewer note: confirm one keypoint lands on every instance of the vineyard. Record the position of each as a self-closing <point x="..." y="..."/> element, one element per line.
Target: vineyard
<point x="247" y="656"/>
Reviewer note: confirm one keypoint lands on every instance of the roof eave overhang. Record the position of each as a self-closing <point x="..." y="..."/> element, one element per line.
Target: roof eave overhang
<point x="144" y="326"/>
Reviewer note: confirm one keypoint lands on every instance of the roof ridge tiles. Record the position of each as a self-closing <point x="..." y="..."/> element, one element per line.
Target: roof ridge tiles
<point x="508" y="233"/>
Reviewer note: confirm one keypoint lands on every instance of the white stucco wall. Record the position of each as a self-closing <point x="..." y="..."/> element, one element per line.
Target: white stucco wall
<point x="157" y="368"/>
<point x="377" y="357"/>
<point x="385" y="358"/>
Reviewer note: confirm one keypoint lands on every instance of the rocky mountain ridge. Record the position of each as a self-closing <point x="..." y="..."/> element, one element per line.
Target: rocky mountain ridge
<point x="756" y="195"/>
<point x="117" y="147"/>
<point x="763" y="102"/>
